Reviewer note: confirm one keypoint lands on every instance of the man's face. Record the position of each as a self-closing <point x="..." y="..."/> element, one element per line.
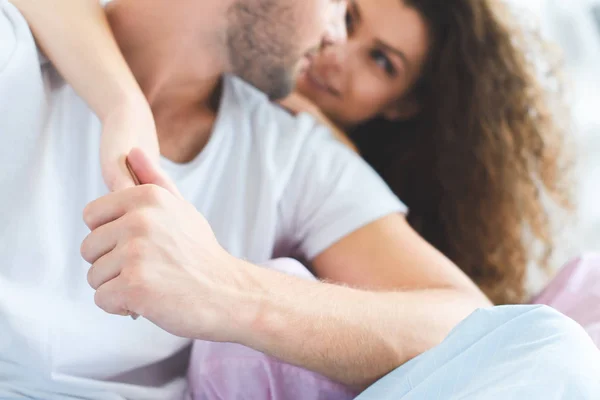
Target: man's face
<point x="269" y="39"/>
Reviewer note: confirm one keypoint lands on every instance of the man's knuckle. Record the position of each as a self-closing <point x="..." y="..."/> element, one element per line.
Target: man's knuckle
<point x="135" y="251"/>
<point x="139" y="223"/>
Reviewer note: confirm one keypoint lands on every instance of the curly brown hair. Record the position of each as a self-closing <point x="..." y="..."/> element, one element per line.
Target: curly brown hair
<point x="479" y="163"/>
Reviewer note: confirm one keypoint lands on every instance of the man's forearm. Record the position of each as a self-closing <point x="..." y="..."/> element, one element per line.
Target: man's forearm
<point x="352" y="336"/>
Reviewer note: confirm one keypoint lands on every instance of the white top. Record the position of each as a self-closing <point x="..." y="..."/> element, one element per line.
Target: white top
<point x="269" y="184"/>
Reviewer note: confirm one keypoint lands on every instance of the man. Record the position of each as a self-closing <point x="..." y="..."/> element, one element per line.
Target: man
<point x="260" y="184"/>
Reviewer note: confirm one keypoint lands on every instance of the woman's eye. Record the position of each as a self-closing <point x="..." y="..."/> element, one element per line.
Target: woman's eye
<point x="383" y="62"/>
<point x="349" y="22"/>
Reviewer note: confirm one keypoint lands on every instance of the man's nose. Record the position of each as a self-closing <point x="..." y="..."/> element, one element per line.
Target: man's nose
<point x="336" y="27"/>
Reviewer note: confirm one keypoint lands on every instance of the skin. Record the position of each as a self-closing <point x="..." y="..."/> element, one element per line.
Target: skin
<point x="370" y="75"/>
<point x="152" y="253"/>
<point x="267" y="54"/>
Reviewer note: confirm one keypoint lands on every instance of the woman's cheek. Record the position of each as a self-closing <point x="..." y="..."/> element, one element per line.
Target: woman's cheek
<point x="369" y="101"/>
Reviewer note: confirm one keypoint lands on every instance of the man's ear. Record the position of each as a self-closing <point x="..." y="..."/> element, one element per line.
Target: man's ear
<point x="404" y="109"/>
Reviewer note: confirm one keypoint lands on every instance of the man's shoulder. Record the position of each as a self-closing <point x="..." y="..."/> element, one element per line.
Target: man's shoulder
<point x="18" y="48"/>
<point x="22" y="84"/>
<point x="269" y="123"/>
<point x="9" y="22"/>
<point x="255" y="103"/>
<point x="276" y="139"/>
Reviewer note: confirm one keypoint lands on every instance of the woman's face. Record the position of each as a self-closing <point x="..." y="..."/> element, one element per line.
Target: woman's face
<point x="371" y="74"/>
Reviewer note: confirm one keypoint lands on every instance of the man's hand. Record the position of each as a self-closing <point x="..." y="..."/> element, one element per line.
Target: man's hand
<point x="128" y="126"/>
<point x="154" y="255"/>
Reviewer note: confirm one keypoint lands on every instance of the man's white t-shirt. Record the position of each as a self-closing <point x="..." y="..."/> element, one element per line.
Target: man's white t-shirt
<point x="269" y="184"/>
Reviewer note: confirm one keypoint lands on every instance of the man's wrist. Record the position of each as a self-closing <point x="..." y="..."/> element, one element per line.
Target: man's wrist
<point x="242" y="299"/>
<point x="265" y="312"/>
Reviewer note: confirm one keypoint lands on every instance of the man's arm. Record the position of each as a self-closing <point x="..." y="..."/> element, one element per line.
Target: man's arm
<point x="154" y="255"/>
<point x="76" y="37"/>
<point x="343" y="218"/>
<point x="403" y="298"/>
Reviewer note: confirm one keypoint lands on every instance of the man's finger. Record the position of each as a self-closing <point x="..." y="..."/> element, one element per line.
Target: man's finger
<point x="101" y="241"/>
<point x="107" y="209"/>
<point x="115" y="205"/>
<point x="110" y="297"/>
<point x="105" y="269"/>
<point x="148" y="173"/>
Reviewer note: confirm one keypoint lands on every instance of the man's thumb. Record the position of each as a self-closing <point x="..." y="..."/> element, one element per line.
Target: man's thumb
<point x="147" y="173"/>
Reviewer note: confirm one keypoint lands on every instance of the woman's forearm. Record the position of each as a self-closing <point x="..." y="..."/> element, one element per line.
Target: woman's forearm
<point x="77" y="39"/>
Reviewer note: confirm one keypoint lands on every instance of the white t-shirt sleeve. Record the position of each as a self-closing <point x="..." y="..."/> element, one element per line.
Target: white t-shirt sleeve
<point x="23" y="92"/>
<point x="19" y="57"/>
<point x="331" y="193"/>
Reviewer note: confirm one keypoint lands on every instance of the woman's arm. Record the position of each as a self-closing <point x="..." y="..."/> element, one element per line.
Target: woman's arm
<point x="77" y="39"/>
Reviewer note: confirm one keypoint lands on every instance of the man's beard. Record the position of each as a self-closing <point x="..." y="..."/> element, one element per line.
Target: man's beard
<point x="260" y="41"/>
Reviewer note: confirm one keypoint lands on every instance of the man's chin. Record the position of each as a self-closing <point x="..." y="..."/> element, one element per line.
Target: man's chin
<point x="276" y="83"/>
<point x="279" y="89"/>
<point x="280" y="94"/>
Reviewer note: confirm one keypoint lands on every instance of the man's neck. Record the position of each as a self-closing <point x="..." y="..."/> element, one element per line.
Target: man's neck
<point x="177" y="56"/>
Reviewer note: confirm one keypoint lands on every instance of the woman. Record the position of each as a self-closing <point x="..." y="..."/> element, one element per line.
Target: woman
<point x="437" y="96"/>
<point x="441" y="100"/>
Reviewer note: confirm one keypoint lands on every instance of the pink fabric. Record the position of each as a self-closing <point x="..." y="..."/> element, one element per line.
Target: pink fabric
<point x="226" y="371"/>
<point x="575" y="292"/>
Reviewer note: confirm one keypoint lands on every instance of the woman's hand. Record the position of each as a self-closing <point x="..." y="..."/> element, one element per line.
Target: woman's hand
<point x="129" y="126"/>
<point x="296" y="103"/>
